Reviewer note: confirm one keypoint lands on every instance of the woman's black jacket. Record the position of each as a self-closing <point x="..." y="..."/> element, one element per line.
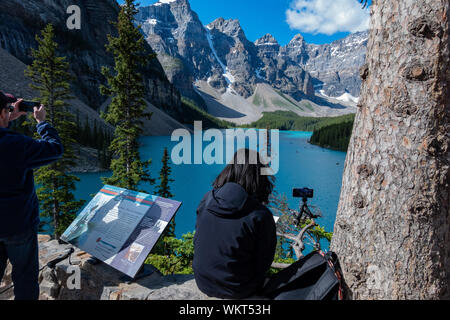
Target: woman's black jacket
<point x="235" y="243"/>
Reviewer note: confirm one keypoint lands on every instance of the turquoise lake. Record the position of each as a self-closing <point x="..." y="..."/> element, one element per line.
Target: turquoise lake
<point x="300" y="165"/>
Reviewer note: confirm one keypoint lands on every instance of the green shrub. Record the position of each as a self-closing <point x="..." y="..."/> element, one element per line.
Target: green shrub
<point x="180" y="259"/>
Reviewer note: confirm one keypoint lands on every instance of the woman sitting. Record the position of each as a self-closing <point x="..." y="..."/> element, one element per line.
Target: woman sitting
<point x="235" y="235"/>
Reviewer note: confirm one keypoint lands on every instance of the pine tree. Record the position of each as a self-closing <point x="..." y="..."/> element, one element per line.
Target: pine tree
<point x="49" y="76"/>
<point x="94" y="141"/>
<point x="78" y="131"/>
<point x="163" y="190"/>
<point x="127" y="108"/>
<point x="100" y="139"/>
<point x="86" y="136"/>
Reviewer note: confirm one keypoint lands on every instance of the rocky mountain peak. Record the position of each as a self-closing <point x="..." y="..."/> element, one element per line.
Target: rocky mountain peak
<point x="177" y="35"/>
<point x="221" y="55"/>
<point x="335" y="65"/>
<point x="171" y="2"/>
<point x="267" y="40"/>
<point x="177" y="9"/>
<point x="230" y="27"/>
<point x="298" y="38"/>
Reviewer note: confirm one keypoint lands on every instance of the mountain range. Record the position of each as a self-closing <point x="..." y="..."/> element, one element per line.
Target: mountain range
<point x="238" y="79"/>
<point x="213" y="65"/>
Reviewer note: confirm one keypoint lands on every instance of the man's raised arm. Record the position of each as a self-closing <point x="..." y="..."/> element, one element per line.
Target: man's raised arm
<point x="46" y="150"/>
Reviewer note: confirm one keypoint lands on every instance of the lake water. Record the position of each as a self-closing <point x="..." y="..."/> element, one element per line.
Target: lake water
<point x="300" y="165"/>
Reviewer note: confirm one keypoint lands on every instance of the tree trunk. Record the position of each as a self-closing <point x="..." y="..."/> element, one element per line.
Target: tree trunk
<point x="392" y="231"/>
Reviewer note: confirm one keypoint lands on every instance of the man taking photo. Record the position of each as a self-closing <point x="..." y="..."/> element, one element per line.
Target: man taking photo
<point x="19" y="206"/>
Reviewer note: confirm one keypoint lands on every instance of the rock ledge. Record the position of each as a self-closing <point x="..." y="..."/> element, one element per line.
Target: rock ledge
<point x="100" y="282"/>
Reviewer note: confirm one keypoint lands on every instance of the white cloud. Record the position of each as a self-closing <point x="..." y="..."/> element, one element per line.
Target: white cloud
<point x="327" y="16"/>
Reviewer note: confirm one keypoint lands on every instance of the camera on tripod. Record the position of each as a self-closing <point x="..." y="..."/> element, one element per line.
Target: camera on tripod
<point x="305" y="194"/>
<point x="302" y="193"/>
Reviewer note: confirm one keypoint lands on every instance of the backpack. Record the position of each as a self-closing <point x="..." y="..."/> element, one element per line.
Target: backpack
<point x="317" y="276"/>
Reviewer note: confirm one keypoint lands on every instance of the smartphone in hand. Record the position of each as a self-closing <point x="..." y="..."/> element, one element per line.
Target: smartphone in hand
<point x="28" y="106"/>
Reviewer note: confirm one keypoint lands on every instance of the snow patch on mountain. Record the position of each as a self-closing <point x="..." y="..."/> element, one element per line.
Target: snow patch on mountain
<point x="226" y="73"/>
<point x="347" y="97"/>
<point x="160" y="2"/>
<point x="152" y="21"/>
<point x="268" y="44"/>
<point x="322" y="92"/>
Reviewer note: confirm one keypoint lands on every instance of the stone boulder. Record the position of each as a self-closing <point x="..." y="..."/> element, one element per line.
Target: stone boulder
<point x="100" y="281"/>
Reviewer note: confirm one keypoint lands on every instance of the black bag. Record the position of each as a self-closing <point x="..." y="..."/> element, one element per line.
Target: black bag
<point x="317" y="276"/>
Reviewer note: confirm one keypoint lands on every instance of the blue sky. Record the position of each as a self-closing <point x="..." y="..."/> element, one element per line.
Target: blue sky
<point x="319" y="21"/>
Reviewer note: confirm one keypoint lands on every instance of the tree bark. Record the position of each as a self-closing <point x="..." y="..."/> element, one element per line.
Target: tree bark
<point x="392" y="230"/>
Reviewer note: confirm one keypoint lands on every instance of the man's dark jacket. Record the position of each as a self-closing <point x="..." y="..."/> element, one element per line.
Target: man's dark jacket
<point x="19" y="206"/>
<point x="234" y="243"/>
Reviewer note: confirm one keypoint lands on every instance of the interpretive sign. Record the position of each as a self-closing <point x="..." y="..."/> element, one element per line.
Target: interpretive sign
<point x="120" y="227"/>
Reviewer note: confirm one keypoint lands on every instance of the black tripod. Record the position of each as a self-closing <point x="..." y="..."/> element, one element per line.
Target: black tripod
<point x="305" y="212"/>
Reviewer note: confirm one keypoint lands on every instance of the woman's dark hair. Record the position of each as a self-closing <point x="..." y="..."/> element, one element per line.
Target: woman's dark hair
<point x="245" y="170"/>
